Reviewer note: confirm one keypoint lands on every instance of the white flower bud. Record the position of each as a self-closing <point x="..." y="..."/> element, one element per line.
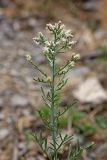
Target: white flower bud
<point x="62" y="26"/>
<point x="36" y="40"/>
<point x="47" y="43"/>
<point x="28" y="57"/>
<point x="68" y="34"/>
<point x="49" y="79"/>
<point x="50" y="26"/>
<point x="76" y="56"/>
<point x="72" y="43"/>
<point x="63" y="39"/>
<point x="58" y="42"/>
<point x="60" y="22"/>
<point x="40" y="34"/>
<point x="72" y="64"/>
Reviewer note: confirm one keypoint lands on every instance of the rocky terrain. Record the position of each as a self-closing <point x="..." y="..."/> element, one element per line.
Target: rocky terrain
<point x="20" y="96"/>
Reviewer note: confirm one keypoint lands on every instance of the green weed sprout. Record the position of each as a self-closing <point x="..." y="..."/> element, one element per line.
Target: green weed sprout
<point x="62" y="40"/>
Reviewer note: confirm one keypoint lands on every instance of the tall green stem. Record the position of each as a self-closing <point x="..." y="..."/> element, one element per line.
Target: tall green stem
<point x="53" y="111"/>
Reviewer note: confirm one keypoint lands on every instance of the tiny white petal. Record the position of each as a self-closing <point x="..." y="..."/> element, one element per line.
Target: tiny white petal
<point x="62" y="26"/>
<point x="72" y="42"/>
<point x="50" y="26"/>
<point x="63" y="39"/>
<point x="40" y="34"/>
<point x="76" y="56"/>
<point x="36" y="40"/>
<point x="47" y="43"/>
<point x="58" y="42"/>
<point x="72" y="64"/>
<point x="46" y="49"/>
<point x="28" y="57"/>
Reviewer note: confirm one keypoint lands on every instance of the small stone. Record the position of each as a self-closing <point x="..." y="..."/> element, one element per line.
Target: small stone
<point x="19" y="101"/>
<point x="38" y="58"/>
<point x="22" y="148"/>
<point x="10" y="119"/>
<point x="90" y="5"/>
<point x="4" y="3"/>
<point x="79" y="71"/>
<point x="39" y="157"/>
<point x="90" y="91"/>
<point x="16" y="26"/>
<point x="100" y="33"/>
<point x="4" y="132"/>
<point x="26" y="112"/>
<point x="2" y="16"/>
<point x="7" y="92"/>
<point x="31" y="158"/>
<point x="76" y="75"/>
<point x="2" y="116"/>
<point x="13" y="72"/>
<point x="32" y="22"/>
<point x="1" y="102"/>
<point x="25" y="122"/>
<point x="9" y="34"/>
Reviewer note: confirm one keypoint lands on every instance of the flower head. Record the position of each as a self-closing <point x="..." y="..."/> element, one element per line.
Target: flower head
<point x="68" y="34"/>
<point x="76" y="56"/>
<point x="40" y="39"/>
<point x="72" y="64"/>
<point x="28" y="57"/>
<point x="36" y="40"/>
<point x="49" y="26"/>
<point x="49" y="78"/>
<point x="47" y="43"/>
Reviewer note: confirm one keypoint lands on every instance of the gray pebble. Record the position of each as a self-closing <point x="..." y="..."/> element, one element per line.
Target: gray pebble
<point x="19" y="101"/>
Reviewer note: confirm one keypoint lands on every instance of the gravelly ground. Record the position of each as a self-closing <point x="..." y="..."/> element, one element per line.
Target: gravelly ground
<point x="19" y="95"/>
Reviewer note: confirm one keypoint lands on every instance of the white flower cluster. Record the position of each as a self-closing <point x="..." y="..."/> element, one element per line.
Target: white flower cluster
<point x="71" y="64"/>
<point x="62" y="36"/>
<point x="57" y="26"/>
<point x="40" y="39"/>
<point x="49" y="47"/>
<point x="48" y="50"/>
<point x="68" y="34"/>
<point x="62" y="39"/>
<point x="76" y="56"/>
<point x="28" y="57"/>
